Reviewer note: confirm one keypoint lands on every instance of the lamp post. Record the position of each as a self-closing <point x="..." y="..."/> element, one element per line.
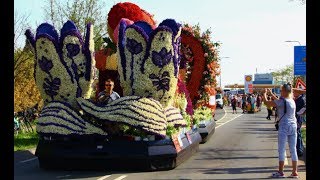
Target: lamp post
<point x="294" y="41"/>
<point x="220" y="68"/>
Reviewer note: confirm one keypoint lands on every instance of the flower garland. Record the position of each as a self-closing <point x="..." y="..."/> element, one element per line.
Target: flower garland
<point x="198" y="48"/>
<point x="65" y="60"/>
<point x="149" y="59"/>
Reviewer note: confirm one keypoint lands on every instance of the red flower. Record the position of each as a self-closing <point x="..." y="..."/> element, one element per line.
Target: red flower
<point x="127" y="10"/>
<point x="182" y="89"/>
<point x="101" y="58"/>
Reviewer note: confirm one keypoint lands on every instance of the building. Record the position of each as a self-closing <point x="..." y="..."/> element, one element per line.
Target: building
<point x="260" y="82"/>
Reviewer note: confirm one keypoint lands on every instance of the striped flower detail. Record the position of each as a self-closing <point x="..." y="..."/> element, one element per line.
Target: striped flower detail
<point x="174" y="117"/>
<point x="138" y="112"/>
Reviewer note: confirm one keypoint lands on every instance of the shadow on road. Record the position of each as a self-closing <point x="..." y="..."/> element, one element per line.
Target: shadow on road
<point x="256" y="170"/>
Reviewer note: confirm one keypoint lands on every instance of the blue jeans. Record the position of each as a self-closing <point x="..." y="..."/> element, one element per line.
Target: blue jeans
<point x="287" y="133"/>
<point x="300" y="147"/>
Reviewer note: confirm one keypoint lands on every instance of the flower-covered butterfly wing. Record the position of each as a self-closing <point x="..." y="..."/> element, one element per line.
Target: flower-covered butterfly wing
<point x="50" y="73"/>
<point x="159" y="66"/>
<point x="132" y="50"/>
<point x="78" y="56"/>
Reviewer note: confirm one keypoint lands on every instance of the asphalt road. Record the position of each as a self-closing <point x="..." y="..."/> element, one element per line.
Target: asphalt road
<point x="244" y="146"/>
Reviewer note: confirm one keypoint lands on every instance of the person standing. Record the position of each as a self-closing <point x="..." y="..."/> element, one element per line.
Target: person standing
<point x="239" y="99"/>
<point x="287" y="128"/>
<point x="108" y="95"/>
<point x="253" y="101"/>
<point x="269" y="109"/>
<point x="229" y="99"/>
<point x="234" y="104"/>
<point x="244" y="103"/>
<point x="300" y="100"/>
<point x="259" y="102"/>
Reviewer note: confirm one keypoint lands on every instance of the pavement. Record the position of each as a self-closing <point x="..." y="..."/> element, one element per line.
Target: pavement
<point x="244" y="146"/>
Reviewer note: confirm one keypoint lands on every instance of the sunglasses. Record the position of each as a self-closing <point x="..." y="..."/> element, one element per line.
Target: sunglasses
<point x="108" y="85"/>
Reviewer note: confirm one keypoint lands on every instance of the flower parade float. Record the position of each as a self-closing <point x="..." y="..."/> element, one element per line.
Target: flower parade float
<point x="198" y="69"/>
<point x="151" y="128"/>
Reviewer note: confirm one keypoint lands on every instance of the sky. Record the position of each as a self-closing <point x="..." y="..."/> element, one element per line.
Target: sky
<point x="252" y="32"/>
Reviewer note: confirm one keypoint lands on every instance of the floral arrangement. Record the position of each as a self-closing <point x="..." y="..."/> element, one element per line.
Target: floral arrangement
<point x="112" y="62"/>
<point x="182" y="90"/>
<point x="59" y="118"/>
<point x="149" y="60"/>
<point x="131" y="12"/>
<point x="142" y="113"/>
<point x="63" y="60"/>
<point x="174" y="117"/>
<point x="200" y="56"/>
<point x="202" y="114"/>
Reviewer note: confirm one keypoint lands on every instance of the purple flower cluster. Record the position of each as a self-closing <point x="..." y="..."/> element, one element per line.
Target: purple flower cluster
<point x="47" y="31"/>
<point x="161" y="58"/>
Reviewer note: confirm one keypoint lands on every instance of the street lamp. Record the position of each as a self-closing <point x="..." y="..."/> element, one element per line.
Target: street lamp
<point x="220" y="68"/>
<point x="294" y="41"/>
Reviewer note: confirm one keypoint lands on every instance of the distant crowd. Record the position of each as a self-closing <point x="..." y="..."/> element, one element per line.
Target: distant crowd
<point x="246" y="102"/>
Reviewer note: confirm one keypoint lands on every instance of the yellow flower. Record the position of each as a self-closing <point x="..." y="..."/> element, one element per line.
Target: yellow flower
<point x="112" y="62"/>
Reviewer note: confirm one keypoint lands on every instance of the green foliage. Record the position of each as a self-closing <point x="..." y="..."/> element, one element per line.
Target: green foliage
<point x="26" y="93"/>
<point x="171" y="130"/>
<point x="201" y="114"/>
<point x="283" y="75"/>
<point x="80" y="12"/>
<point x="127" y="130"/>
<point x="25" y="141"/>
<point x="110" y="45"/>
<point x="187" y="117"/>
<point x="303" y="134"/>
<point x="181" y="102"/>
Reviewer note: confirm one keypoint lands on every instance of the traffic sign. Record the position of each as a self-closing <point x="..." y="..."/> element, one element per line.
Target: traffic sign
<point x="300" y="84"/>
<point x="299" y="60"/>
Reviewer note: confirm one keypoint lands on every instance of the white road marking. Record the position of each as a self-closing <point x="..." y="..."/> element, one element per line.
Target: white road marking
<point x="225" y="113"/>
<point x="121" y="177"/>
<point x="104" y="177"/>
<point x="229" y="121"/>
<point x="64" y="176"/>
<point x="29" y="160"/>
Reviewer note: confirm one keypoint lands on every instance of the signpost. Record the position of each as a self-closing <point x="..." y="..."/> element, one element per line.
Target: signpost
<point x="300" y="84"/>
<point x="300" y="60"/>
<point x="248" y="84"/>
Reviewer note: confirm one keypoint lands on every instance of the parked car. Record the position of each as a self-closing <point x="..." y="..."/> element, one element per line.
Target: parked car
<point x="219" y="101"/>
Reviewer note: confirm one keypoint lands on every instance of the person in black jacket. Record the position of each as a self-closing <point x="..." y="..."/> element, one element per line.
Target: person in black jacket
<point x="300" y="100"/>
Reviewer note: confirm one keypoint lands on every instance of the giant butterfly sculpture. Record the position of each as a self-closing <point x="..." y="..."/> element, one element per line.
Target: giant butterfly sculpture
<point x="148" y="61"/>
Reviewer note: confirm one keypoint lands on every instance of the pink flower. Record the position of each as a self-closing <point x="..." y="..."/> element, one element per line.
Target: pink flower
<point x="205" y="54"/>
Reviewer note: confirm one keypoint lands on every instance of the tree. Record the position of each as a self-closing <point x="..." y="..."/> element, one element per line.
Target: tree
<point x="26" y="93"/>
<point x="283" y="75"/>
<point x="80" y="12"/>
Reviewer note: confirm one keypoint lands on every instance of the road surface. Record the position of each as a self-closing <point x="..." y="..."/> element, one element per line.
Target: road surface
<point x="244" y="146"/>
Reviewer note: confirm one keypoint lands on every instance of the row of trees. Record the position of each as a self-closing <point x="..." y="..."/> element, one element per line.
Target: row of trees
<point x="285" y="75"/>
<point x="58" y="12"/>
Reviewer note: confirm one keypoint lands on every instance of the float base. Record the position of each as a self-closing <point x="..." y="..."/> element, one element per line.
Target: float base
<point x="115" y="155"/>
<point x="207" y="130"/>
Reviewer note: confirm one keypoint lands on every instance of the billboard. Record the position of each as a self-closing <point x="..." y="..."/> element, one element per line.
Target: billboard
<point x="300" y="60"/>
<point x="248" y="84"/>
<point x="263" y="77"/>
